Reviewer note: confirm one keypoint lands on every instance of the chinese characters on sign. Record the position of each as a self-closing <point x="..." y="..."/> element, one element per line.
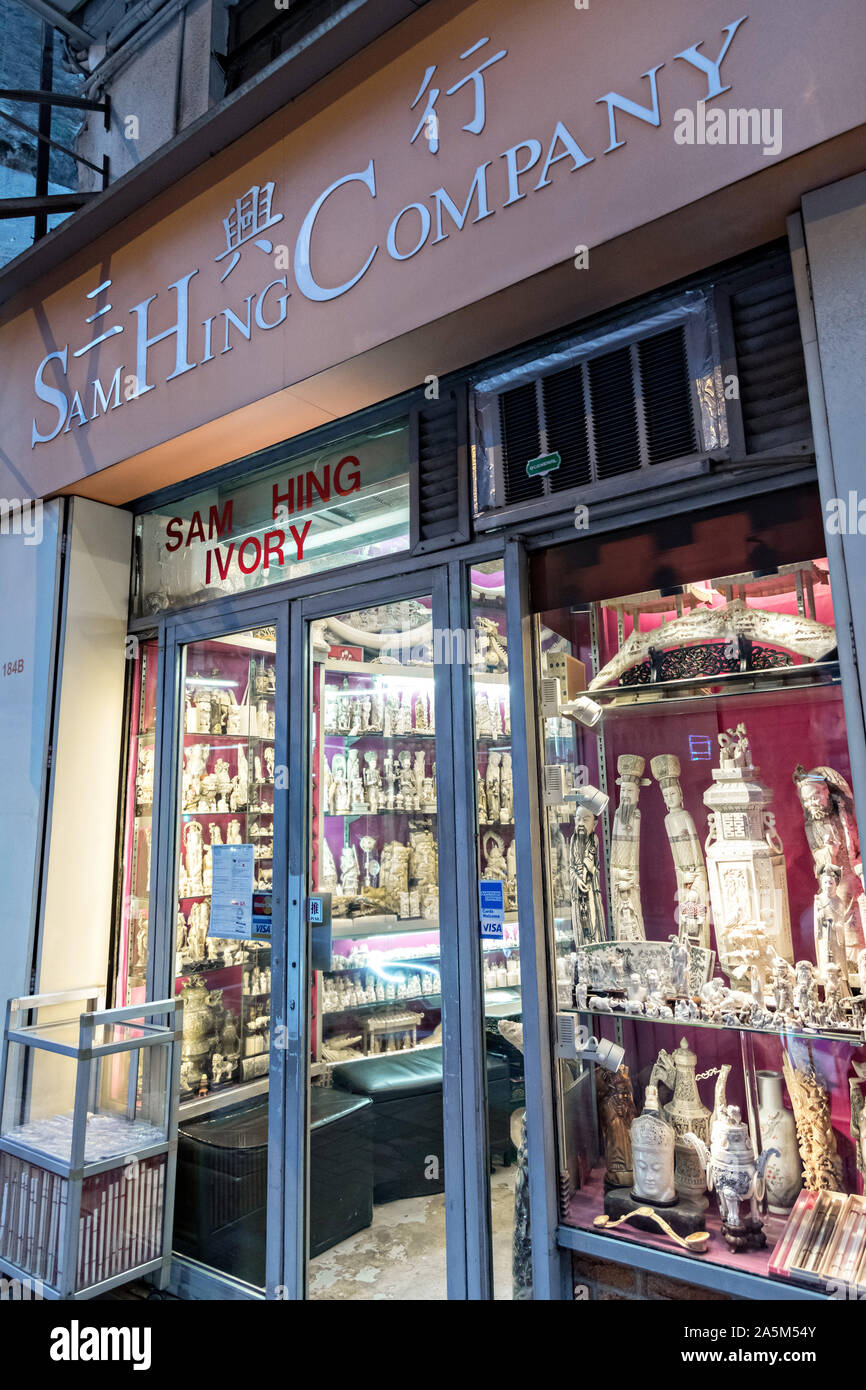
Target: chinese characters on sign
<point x="250" y="216"/>
<point x="498" y="182"/>
<point x="429" y="121"/>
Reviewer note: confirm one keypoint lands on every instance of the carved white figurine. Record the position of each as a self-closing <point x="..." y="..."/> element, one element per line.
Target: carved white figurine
<point x="482" y="800"/>
<point x="344" y="714"/>
<point x="511" y="879"/>
<point x="327" y="869"/>
<point x="389" y="716"/>
<point x="506" y="791"/>
<point x="422" y="723"/>
<point x="368" y="844"/>
<point x="388" y="777"/>
<point x="195" y="767"/>
<point x="339" y="786"/>
<point x="419" y="772"/>
<point x="202" y="701"/>
<point x="783" y="986"/>
<point x="835" y="992"/>
<point x="693" y="896"/>
<point x="805" y="992"/>
<point x="233" y="833"/>
<point x="737" y="1176"/>
<point x="495" y="863"/>
<point x="483" y="721"/>
<point x="193" y="856"/>
<point x="587" y="911"/>
<point x="636" y="993"/>
<point x="349" y="872"/>
<point x="492" y="782"/>
<point x="405" y="781"/>
<point x="215" y="832"/>
<point x="269" y="764"/>
<point x="830" y="924"/>
<point x="714" y="997"/>
<point x="745" y="856"/>
<point x="680" y="954"/>
<point x="404" y="714"/>
<point x="495" y="716"/>
<point x="144" y="777"/>
<point x="652" y="1146"/>
<point x="372" y="780"/>
<point x="831" y="830"/>
<point x="196" y="940"/>
<point x="394" y="877"/>
<point x="626" y="915"/>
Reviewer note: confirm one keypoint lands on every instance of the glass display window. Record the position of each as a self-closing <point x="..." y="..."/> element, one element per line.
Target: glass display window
<point x="705" y="901"/>
<point x="226" y="798"/>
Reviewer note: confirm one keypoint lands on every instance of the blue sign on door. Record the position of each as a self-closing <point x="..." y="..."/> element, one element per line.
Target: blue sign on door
<point x="491" y="900"/>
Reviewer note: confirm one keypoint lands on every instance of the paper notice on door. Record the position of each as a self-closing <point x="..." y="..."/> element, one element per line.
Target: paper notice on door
<point x="231" y="910"/>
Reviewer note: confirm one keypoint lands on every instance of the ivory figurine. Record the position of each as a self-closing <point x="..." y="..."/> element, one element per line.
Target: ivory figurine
<point x="587" y="909"/>
<point x="625" y="851"/>
<point x="831" y="831"/>
<point x="830" y="923"/>
<point x="693" y="894"/>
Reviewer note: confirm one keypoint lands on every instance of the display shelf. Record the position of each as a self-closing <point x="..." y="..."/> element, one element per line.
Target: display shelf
<point x="239" y="740"/>
<point x="361" y="815"/>
<point x="402" y="1051"/>
<point x="812" y="676"/>
<point x="406" y="673"/>
<point x="430" y="1000"/>
<point x="386" y="739"/>
<point x="854" y="1037"/>
<point x="352" y="928"/>
<point x="585" y="1205"/>
<point x="655" y="1259"/>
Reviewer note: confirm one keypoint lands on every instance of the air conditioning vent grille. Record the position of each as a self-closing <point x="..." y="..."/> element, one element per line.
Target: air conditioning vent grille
<point x="565" y="419"/>
<point x="606" y="416"/>
<point x="665" y="388"/>
<point x="521" y="441"/>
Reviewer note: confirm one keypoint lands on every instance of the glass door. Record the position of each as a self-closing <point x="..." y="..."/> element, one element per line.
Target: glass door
<point x="377" y="1057"/>
<point x="222" y="957"/>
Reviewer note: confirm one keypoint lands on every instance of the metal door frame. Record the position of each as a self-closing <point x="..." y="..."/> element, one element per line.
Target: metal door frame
<point x="236" y="614"/>
<point x="458" y="1211"/>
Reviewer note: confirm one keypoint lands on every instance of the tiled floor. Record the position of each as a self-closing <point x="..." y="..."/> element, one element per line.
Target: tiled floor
<point x="402" y="1254"/>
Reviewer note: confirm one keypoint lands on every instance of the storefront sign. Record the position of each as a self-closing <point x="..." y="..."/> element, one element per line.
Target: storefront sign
<point x="468" y="162"/>
<point x="317" y="512"/>
<point x="403" y="232"/>
<point x="231" y="910"/>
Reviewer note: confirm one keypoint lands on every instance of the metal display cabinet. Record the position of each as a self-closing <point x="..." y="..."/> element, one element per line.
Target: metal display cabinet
<point x="88" y="1142"/>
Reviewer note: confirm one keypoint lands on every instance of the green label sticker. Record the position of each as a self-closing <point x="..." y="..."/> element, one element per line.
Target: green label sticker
<point x="548" y="463"/>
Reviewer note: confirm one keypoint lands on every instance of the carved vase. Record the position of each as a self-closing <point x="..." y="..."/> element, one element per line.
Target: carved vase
<point x="784" y="1175"/>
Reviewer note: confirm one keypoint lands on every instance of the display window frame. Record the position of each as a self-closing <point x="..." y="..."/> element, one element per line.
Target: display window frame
<point x="552" y="1267"/>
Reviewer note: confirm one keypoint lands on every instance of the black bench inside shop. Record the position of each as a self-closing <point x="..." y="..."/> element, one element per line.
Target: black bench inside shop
<point x="406" y="1092"/>
<point x="375" y="1136"/>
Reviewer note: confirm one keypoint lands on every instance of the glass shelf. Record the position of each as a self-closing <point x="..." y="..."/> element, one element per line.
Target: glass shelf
<point x="854" y="1036"/>
<point x="813" y="675"/>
